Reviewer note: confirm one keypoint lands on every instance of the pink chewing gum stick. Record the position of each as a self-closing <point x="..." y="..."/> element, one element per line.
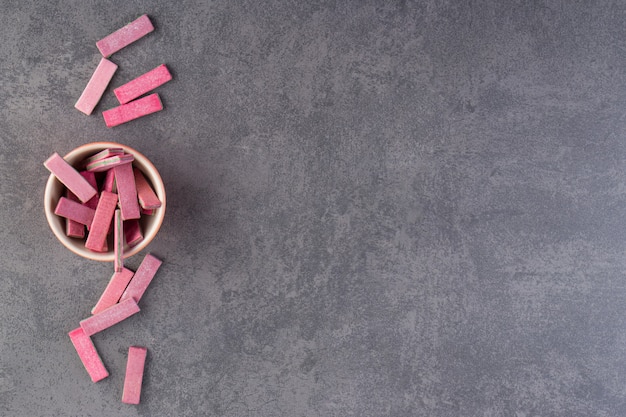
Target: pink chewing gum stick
<point x="96" y="240"/>
<point x="132" y="232"/>
<point x="73" y="210"/>
<point x="127" y="191"/>
<point x="109" y="182"/>
<point x="91" y="179"/>
<point x="72" y="227"/>
<point x="146" y="195"/>
<point x="134" y="374"/>
<point x="118" y="241"/>
<point x="109" y="317"/>
<point x="70" y="177"/>
<point x="144" y="275"/>
<point x="110" y="162"/>
<point x="96" y="86"/>
<point x="142" y="84"/>
<point x="88" y="355"/>
<point x="113" y="291"/>
<point x="104" y="154"/>
<point x="147" y="212"/>
<point x="123" y="37"/>
<point x="133" y="110"/>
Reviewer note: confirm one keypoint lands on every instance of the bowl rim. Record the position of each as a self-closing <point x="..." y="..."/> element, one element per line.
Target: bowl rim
<point x="143" y="163"/>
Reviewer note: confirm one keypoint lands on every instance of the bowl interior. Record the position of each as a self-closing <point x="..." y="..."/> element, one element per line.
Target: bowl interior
<point x="149" y="224"/>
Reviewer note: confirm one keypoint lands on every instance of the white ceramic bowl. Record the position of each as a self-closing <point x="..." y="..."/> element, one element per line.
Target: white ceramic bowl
<point x="149" y="224"/>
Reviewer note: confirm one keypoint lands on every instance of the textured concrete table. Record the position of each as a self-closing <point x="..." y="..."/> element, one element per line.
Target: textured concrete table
<point x="376" y="208"/>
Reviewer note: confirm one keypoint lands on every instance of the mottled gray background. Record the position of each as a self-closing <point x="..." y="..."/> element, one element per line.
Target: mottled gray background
<point x="376" y="208"/>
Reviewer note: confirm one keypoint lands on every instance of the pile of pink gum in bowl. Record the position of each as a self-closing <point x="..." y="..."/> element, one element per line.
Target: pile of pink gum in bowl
<point x="149" y="224"/>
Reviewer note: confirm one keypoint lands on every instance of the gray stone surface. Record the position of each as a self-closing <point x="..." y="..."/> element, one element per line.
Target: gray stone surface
<point x="376" y="208"/>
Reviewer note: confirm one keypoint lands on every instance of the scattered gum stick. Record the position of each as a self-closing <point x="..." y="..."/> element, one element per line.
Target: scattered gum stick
<point x="70" y="177"/>
<point x="147" y="197"/>
<point x="96" y="86"/>
<point x="133" y="110"/>
<point x="148" y="212"/>
<point x="142" y="84"/>
<point x="109" y="182"/>
<point x="144" y="275"/>
<point x="72" y="227"/>
<point x="109" y="317"/>
<point x="73" y="210"/>
<point x="132" y="232"/>
<point x="91" y="179"/>
<point x="134" y="374"/>
<point x="113" y="291"/>
<point x="104" y="154"/>
<point x="110" y="162"/>
<point x="96" y="240"/>
<point x="88" y="354"/>
<point x="118" y="241"/>
<point x="123" y="37"/>
<point x="127" y="191"/>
